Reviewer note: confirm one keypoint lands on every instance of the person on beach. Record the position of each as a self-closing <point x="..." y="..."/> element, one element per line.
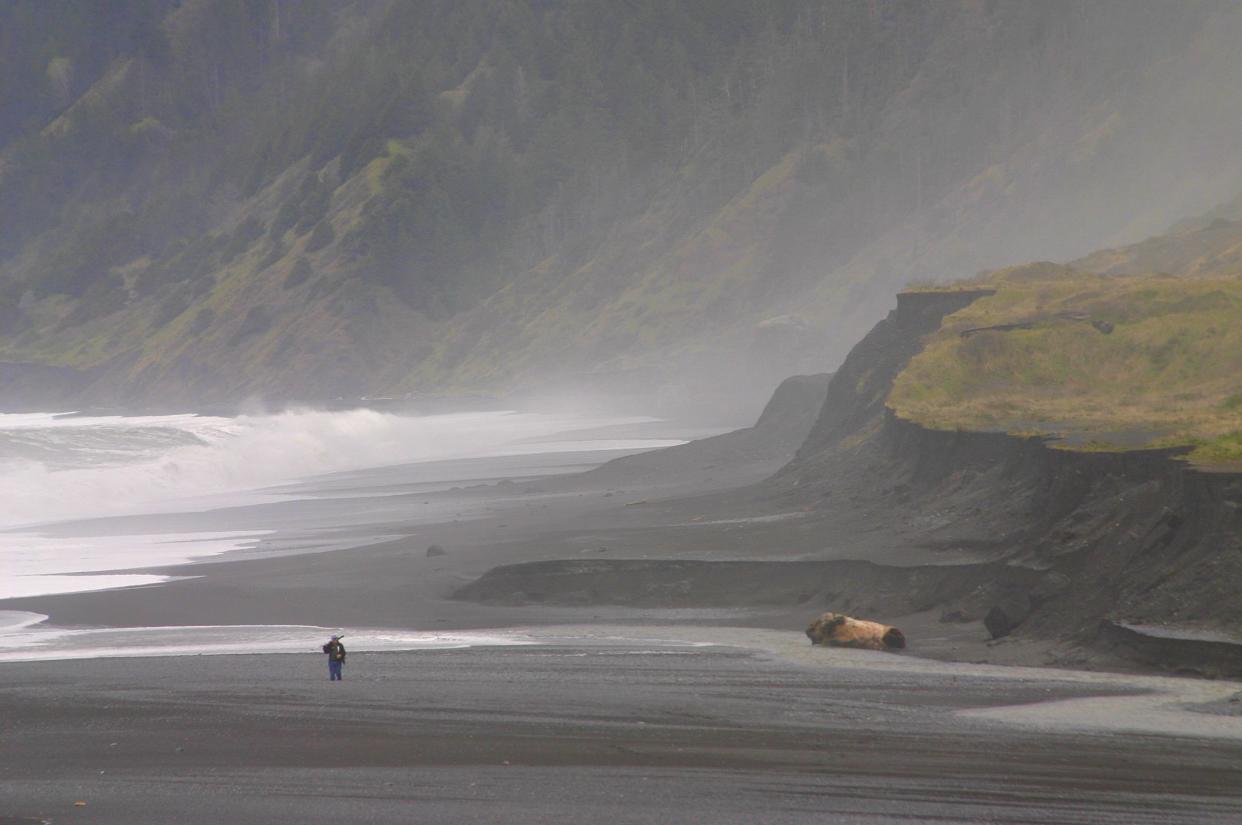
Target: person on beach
<point x="336" y="658"/>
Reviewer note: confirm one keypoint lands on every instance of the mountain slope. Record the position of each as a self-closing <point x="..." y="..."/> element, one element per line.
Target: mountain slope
<point x="216" y="200"/>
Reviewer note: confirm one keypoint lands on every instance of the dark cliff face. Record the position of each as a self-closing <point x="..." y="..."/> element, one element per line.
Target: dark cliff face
<point x="1138" y="537"/>
<point x="751" y="452"/>
<point x="791" y="412"/>
<point x="857" y="392"/>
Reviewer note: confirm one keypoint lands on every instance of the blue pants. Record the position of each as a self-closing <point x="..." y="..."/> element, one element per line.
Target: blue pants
<point x="334" y="670"/>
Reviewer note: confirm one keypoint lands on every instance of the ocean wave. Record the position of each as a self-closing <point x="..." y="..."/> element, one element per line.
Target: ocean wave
<point x="57" y="468"/>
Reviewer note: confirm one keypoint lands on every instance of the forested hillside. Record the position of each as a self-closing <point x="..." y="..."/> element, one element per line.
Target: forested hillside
<point x="211" y="200"/>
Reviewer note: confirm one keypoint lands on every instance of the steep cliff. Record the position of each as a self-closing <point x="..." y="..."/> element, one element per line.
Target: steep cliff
<point x="1127" y="537"/>
<point x="726" y="459"/>
<point x="1096" y="557"/>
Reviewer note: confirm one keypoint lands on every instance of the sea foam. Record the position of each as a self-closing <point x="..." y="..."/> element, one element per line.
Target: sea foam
<point x="66" y="468"/>
<point x="55" y="468"/>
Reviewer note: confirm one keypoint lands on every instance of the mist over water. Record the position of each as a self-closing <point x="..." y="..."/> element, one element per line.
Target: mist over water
<point x="65" y="468"/>
<point x="55" y="468"/>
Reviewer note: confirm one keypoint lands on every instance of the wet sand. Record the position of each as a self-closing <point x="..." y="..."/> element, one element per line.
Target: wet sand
<point x="622" y="732"/>
<point x="751" y="726"/>
<point x="352" y="552"/>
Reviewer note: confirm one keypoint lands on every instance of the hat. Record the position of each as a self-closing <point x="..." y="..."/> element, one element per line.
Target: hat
<point x="335" y="638"/>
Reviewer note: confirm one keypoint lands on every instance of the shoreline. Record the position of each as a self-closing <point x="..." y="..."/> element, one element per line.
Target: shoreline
<point x="1127" y="706"/>
<point x="1144" y="702"/>
<point x="628" y="732"/>
<point x="355" y="549"/>
<point x="739" y="721"/>
<point x="391" y="583"/>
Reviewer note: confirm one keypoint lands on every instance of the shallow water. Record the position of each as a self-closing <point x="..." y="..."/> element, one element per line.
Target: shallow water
<point x="86" y="501"/>
<point x="60" y="467"/>
<point x="24" y="637"/>
<point x="37" y="565"/>
<point x="1133" y="704"/>
<point x="1154" y="705"/>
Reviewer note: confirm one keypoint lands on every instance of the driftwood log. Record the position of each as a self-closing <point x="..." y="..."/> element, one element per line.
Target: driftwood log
<point x="838" y="630"/>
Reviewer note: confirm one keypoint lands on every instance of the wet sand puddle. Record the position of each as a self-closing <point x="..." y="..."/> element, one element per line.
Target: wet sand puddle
<point x="1161" y="705"/>
<point x="1142" y="704"/>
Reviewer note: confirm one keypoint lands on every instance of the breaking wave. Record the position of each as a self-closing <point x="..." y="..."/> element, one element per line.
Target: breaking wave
<point x="60" y="467"/>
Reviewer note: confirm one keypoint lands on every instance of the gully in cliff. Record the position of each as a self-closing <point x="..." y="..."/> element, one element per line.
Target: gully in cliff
<point x="837" y="630"/>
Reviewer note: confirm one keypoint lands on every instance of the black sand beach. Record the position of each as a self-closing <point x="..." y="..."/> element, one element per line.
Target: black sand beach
<point x="622" y="733"/>
<point x="605" y="720"/>
<point x="753" y="726"/>
<point x="442" y="326"/>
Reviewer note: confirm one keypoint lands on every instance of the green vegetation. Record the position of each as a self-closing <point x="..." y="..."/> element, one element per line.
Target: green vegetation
<point x="1101" y="362"/>
<point x="232" y="197"/>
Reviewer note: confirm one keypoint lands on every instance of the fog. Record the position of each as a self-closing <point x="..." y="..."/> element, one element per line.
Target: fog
<point x="668" y="222"/>
<point x="58" y="468"/>
<point x="445" y="327"/>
